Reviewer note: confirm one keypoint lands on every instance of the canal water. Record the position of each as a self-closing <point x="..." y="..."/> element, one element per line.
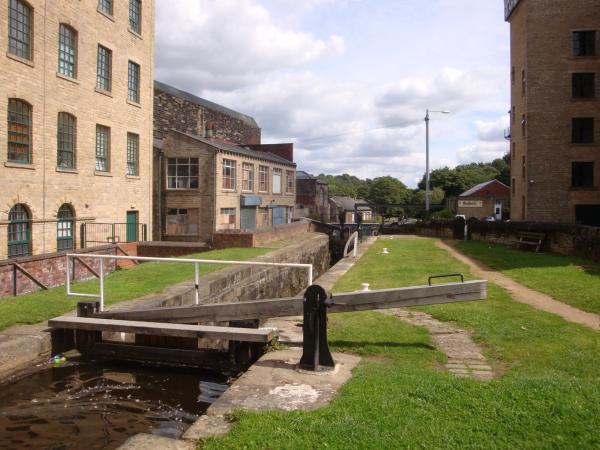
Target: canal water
<point x="83" y="405"/>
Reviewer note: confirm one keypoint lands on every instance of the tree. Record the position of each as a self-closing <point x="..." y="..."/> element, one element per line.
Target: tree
<point x="387" y="190"/>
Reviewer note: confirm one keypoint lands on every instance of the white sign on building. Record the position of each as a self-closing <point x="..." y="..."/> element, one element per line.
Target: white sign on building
<point x="470" y="203"/>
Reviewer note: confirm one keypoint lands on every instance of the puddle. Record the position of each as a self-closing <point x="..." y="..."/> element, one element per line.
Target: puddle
<point x="98" y="406"/>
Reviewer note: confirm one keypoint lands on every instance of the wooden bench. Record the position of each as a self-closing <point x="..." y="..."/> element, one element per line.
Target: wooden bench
<point x="531" y="239"/>
<point x="163" y="329"/>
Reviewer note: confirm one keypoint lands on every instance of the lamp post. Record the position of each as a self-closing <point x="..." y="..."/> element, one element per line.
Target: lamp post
<point x="427" y="154"/>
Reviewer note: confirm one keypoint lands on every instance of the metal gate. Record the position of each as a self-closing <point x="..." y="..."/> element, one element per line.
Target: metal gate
<point x="279" y="215"/>
<point x="248" y="217"/>
<point x="459" y="228"/>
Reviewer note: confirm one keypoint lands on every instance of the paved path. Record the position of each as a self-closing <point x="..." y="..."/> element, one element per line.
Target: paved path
<point x="465" y="357"/>
<point x="522" y="293"/>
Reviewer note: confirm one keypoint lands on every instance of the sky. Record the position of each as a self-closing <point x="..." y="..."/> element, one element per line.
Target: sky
<point x="349" y="81"/>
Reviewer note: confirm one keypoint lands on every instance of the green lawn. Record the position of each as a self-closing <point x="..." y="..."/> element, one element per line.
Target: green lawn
<point x="575" y="281"/>
<point x="121" y="285"/>
<point x="400" y="396"/>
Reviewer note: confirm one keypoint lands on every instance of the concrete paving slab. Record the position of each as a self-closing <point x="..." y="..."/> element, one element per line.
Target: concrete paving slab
<point x="207" y="426"/>
<point x="274" y="383"/>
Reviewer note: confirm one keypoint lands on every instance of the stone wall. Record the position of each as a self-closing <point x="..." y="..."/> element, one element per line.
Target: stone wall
<point x="50" y="270"/>
<point x="257" y="238"/>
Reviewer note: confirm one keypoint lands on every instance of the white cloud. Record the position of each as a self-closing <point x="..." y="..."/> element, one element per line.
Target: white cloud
<point x="482" y="152"/>
<point x="492" y="131"/>
<point x="226" y="44"/>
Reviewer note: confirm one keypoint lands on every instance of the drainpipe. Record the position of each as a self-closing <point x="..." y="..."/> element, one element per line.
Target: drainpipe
<point x="160" y="194"/>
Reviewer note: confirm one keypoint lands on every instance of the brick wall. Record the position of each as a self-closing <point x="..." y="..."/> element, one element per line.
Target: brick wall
<point x="235" y="238"/>
<point x="50" y="270"/>
<point x="169" y="249"/>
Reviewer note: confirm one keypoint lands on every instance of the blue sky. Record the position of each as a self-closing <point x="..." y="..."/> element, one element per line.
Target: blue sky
<point x="349" y="80"/>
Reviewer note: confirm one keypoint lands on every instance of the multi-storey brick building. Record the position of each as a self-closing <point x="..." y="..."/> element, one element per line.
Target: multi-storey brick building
<point x="211" y="171"/>
<point x="76" y="103"/>
<point x="312" y="197"/>
<point x="555" y="137"/>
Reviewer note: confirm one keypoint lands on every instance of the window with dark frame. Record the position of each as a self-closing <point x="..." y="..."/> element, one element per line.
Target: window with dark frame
<point x="19" y="231"/>
<point x="133" y="147"/>
<point x="104" y="69"/>
<point x="523" y="83"/>
<point x="228" y="174"/>
<point x="67" y="51"/>
<point x="182" y="173"/>
<point x="582" y="174"/>
<point x="514" y="150"/>
<point x="523" y="125"/>
<point x="66" y="138"/>
<point x="102" y="148"/>
<point x="584" y="43"/>
<point x="523" y="168"/>
<point x="20" y="30"/>
<point x="64" y="228"/>
<point x="135" y="16"/>
<point x="583" y="130"/>
<point x="133" y="82"/>
<point x="263" y="178"/>
<point x="106" y="6"/>
<point x="19" y="131"/>
<point x="584" y="85"/>
<point x="247" y="177"/>
<point x="182" y="221"/>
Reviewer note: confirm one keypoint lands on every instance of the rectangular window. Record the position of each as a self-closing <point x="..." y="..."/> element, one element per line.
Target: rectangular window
<point x="263" y="179"/>
<point x="66" y="140"/>
<point x="289" y="181"/>
<point x="104" y="69"/>
<point x="228" y="218"/>
<point x="513" y="114"/>
<point x="512" y="75"/>
<point x="102" y="148"/>
<point x="584" y="85"/>
<point x="67" y="51"/>
<point x="523" y="83"/>
<point x="133" y="82"/>
<point x="20" y="29"/>
<point x="228" y="174"/>
<point x="182" y="221"/>
<point x="514" y="150"/>
<point x="182" y="173"/>
<point x="106" y="6"/>
<point x="587" y="215"/>
<point x="19" y="131"/>
<point x="523" y="168"/>
<point x="583" y="130"/>
<point x="582" y="174"/>
<point x="276" y="181"/>
<point x="523" y="125"/>
<point x="514" y="187"/>
<point x="247" y="177"/>
<point x="133" y="151"/>
<point x="584" y="43"/>
<point x="135" y="16"/>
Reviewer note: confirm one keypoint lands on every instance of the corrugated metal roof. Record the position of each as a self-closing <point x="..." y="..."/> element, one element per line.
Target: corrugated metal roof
<point x="205" y="103"/>
<point x="232" y="148"/>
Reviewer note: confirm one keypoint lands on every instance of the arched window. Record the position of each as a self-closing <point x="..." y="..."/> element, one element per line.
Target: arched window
<point x="64" y="228"/>
<point x="67" y="51"/>
<point x="19" y="131"/>
<point x="20" y="29"/>
<point x="66" y="140"/>
<point x="19" y="231"/>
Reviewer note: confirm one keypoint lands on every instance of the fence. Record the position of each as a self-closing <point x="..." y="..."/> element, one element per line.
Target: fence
<point x="196" y="263"/>
<point x="94" y="234"/>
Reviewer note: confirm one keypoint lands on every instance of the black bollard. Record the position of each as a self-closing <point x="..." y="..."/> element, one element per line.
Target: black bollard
<point x="315" y="355"/>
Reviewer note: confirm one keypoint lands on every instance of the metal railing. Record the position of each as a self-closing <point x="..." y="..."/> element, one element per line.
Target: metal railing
<point x="94" y="234"/>
<point x="196" y="263"/>
<point x="353" y="238"/>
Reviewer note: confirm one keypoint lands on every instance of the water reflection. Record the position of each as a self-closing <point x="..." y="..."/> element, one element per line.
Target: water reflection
<point x="92" y="406"/>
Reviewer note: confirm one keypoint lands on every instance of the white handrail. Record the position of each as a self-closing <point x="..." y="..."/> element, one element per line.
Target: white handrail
<point x="196" y="263"/>
<point x="355" y="249"/>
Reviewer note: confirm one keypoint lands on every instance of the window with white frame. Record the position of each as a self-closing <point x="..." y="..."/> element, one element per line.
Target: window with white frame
<point x="228" y="218"/>
<point x="289" y="181"/>
<point x="247" y="177"/>
<point x="182" y="173"/>
<point x="102" y="148"/>
<point x="263" y="178"/>
<point x="229" y="174"/>
<point x="276" y="181"/>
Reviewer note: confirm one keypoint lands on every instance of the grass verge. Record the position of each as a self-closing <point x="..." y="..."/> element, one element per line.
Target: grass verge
<point x="399" y="397"/>
<point x="571" y="280"/>
<point x="121" y="285"/>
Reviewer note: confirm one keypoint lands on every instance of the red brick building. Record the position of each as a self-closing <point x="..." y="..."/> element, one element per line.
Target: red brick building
<point x="487" y="199"/>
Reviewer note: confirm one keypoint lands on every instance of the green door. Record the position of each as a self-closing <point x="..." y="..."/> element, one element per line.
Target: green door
<point x="132" y="226"/>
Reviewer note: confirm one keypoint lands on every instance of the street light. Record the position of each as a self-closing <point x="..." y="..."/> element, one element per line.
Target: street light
<point x="427" y="154"/>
